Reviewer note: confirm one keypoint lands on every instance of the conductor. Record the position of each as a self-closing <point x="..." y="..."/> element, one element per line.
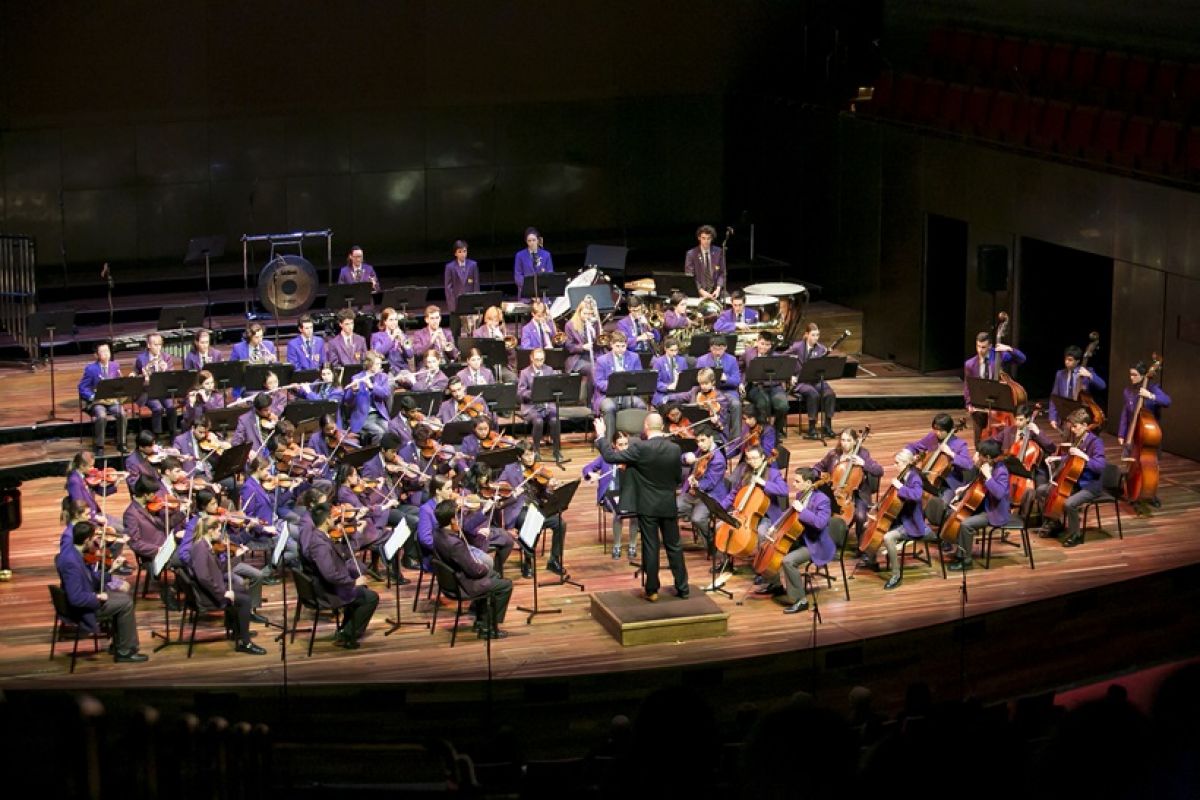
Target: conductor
<point x="652" y="480"/>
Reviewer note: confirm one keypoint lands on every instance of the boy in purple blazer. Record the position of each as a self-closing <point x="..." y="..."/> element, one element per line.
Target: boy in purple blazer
<point x="813" y="511"/>
<point x="433" y="337"/>
<point x="769" y="397"/>
<point x="641" y="336"/>
<point x="306" y="351"/>
<point x="148" y="362"/>
<point x="1071" y="380"/>
<point x="996" y="503"/>
<point x="347" y="348"/>
<point x="986" y="363"/>
<point x="618" y="359"/>
<point x="533" y="260"/>
<point x="339" y="586"/>
<point x="706" y="263"/>
<point x="461" y="276"/>
<point x="202" y="353"/>
<point x="539" y="415"/>
<point x="668" y="366"/>
<point x="90" y="602"/>
<point x="737" y="317"/>
<point x="909" y="523"/>
<point x="102" y="369"/>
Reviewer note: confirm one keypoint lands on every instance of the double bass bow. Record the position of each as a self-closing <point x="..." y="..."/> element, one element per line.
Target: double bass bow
<point x="1142" y="442"/>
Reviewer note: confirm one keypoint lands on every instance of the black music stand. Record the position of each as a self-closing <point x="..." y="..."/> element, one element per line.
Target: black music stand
<point x="202" y="249"/>
<point x="454" y="432"/>
<point x="687" y="378"/>
<point x="601" y="293"/>
<point x="501" y="397"/>
<point x="226" y="373"/>
<point x="701" y="342"/>
<point x="632" y="383"/>
<point x="717" y="513"/>
<point x="544" y="285"/>
<point x="402" y="297"/>
<point x="813" y="372"/>
<point x="686" y="443"/>
<point x="766" y="369"/>
<point x="124" y="390"/>
<point x="181" y="318"/>
<point x="1065" y="406"/>
<point x="494" y="353"/>
<point x="43" y="325"/>
<point x="427" y="402"/>
<point x="348" y="295"/>
<point x="231" y="462"/>
<point x="255" y="375"/>
<point x="667" y="282"/>
<point x="222" y="419"/>
<point x="556" y="357"/>
<point x="851" y="370"/>
<point x="558" y="389"/>
<point x="305" y="376"/>
<point x="556" y="503"/>
<point x="694" y="413"/>
<point x="347" y="373"/>
<point x="606" y="257"/>
<point x="356" y="458"/>
<point x="475" y="303"/>
<point x="988" y="395"/>
<point x="169" y="386"/>
<point x="299" y="412"/>
<point x="498" y="459"/>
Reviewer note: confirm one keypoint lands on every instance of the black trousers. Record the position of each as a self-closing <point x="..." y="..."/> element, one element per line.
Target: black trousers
<point x="356" y="614"/>
<point x="499" y="594"/>
<point x="666" y="529"/>
<point x="558" y="534"/>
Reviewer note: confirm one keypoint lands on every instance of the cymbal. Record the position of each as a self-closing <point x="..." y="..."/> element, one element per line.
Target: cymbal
<point x="775" y="289"/>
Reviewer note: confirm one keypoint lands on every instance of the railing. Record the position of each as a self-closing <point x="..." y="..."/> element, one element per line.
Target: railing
<point x="18" y="288"/>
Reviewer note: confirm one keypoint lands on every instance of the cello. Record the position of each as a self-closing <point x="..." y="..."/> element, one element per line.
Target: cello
<point x="749" y="507"/>
<point x="1029" y="453"/>
<point x="783" y="535"/>
<point x="972" y="497"/>
<point x="847" y="477"/>
<point x="1142" y="441"/>
<point x="998" y="419"/>
<point x="1085" y="398"/>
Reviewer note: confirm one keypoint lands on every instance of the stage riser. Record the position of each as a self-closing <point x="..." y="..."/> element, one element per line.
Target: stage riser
<point x="632" y="620"/>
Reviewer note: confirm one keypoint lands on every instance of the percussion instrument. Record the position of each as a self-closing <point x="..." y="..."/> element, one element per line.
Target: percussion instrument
<point x="775" y="289"/>
<point x="287" y="285"/>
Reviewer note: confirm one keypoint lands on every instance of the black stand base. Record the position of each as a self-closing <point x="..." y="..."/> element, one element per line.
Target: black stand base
<point x="396" y="624"/>
<point x="533" y="612"/>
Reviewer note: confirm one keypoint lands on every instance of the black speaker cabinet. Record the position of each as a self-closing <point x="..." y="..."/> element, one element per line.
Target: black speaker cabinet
<point x="992" y="268"/>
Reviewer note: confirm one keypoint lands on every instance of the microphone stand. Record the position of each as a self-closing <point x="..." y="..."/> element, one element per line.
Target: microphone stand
<point x="106" y="273"/>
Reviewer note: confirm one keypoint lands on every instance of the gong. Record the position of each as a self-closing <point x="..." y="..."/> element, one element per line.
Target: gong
<point x="287" y="285"/>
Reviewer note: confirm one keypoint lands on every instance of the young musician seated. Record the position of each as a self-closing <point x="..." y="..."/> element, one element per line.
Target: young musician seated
<point x="389" y="466"/>
<point x="582" y="330"/>
<point x="1073" y="379"/>
<point x="433" y="337"/>
<point x="339" y="586"/>
<point x="475" y="373"/>
<point x="607" y="478"/>
<point x="756" y="433"/>
<point x="909" y="523"/>
<point x="141" y="461"/>
<point x="202" y="353"/>
<point x="324" y="389"/>
<point x="668" y="366"/>
<point x="148" y="362"/>
<point x="676" y="316"/>
<point x="988" y="362"/>
<point x="533" y="260"/>
<point x="737" y="317"/>
<point x="540" y="331"/>
<point x="356" y="271"/>
<point x="252" y="578"/>
<point x="347" y="347"/>
<point x="729" y="383"/>
<point x="80" y="491"/>
<point x="440" y="488"/>
<point x="430" y="377"/>
<point x="391" y="343"/>
<point x="511" y="509"/>
<point x="708" y="476"/>
<point x="755" y="469"/>
<point x="706" y="395"/>
<point x="814" y="544"/>
<point x="305" y="350"/>
<point x="101" y="408"/>
<point x="90" y="602"/>
<point x="203" y="398"/>
<point x="256" y="426"/>
<point x="843" y="452"/>
<point x="254" y="348"/>
<point x="483" y="531"/>
<point x="814" y="397"/>
<point x="460" y="277"/>
<point x="146" y="531"/>
<point x="492" y="327"/>
<point x="461" y="405"/>
<point x="369" y="395"/>
<point x="217" y="588"/>
<point x="640" y="335"/>
<point x="539" y="416"/>
<point x="1011" y="437"/>
<point x="472" y="572"/>
<point x="618" y="359"/>
<point x="706" y="263"/>
<point x="1081" y="443"/>
<point x="941" y="436"/>
<point x="769" y="397"/>
<point x="538" y="489"/>
<point x="996" y="503"/>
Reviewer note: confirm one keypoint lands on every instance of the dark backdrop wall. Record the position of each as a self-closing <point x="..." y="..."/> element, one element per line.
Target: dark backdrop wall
<point x="127" y="127"/>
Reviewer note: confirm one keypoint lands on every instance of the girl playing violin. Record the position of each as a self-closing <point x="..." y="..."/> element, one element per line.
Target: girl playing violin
<point x="607" y="478"/>
<point x="757" y="433"/>
<point x="211" y="515"/>
<point x="706" y="395"/>
<point x="540" y="483"/>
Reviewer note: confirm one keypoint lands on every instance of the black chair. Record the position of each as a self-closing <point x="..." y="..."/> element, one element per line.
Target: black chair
<point x="308" y="597"/>
<point x="840" y="533"/>
<point x="911" y="544"/>
<point x="421" y="573"/>
<point x="449" y="587"/>
<point x="186" y="587"/>
<point x="1111" y="485"/>
<point x="145" y="565"/>
<point x="67" y="619"/>
<point x="1016" y="522"/>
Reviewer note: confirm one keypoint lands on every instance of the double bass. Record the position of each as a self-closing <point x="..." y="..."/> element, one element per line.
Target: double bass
<point x="998" y="419"/>
<point x="1085" y="398"/>
<point x="782" y="536"/>
<point x="846" y="477"/>
<point x="749" y="507"/>
<point x="1142" y="442"/>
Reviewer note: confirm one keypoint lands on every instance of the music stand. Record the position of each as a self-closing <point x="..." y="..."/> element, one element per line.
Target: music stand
<point x="702" y="342"/>
<point x="601" y="293"/>
<point x="231" y="462"/>
<point x="667" y="282"/>
<point x="204" y="248"/>
<point x="553" y="388"/>
<point x="632" y="383"/>
<point x="255" y="375"/>
<point x="768" y="369"/>
<point x="556" y="503"/>
<point x="990" y="396"/>
<point x="543" y="285"/>
<point x="647" y="359"/>
<point x="401" y="297"/>
<point x="498" y="459"/>
<point x="121" y="389"/>
<point x="694" y="413"/>
<point x="391" y="550"/>
<point x="305" y="376"/>
<point x="356" y="458"/>
<point x="180" y="318"/>
<point x="1065" y="406"/>
<point x="347" y="373"/>
<point x="226" y="373"/>
<point x="475" y="303"/>
<point x="454" y="432"/>
<point x="556" y="358"/>
<point x="42" y="325"/>
<point x="349" y="295"/>
<point x="606" y="257"/>
<point x="686" y="443"/>
<point x="494" y="353"/>
<point x="222" y="419"/>
<point x="170" y="385"/>
<point x="501" y="397"/>
<point x="813" y="372"/>
<point x="717" y="512"/>
<point x="851" y="370"/>
<point x="299" y="412"/>
<point x="427" y="402"/>
<point x="687" y="378"/>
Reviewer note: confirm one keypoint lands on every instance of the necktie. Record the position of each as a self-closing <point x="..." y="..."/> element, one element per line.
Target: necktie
<point x="475" y="378"/>
<point x="671" y="368"/>
<point x="982" y="368"/>
<point x="545" y="336"/>
<point x="1071" y="384"/>
<point x="308" y="349"/>
<point x="618" y="364"/>
<point x="707" y="263"/>
<point x="256" y="354"/>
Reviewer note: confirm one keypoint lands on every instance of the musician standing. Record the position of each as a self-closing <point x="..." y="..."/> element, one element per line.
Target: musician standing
<point x="103" y="368"/>
<point x="461" y="276"/>
<point x="539" y="416"/>
<point x="618" y="359"/>
<point x="1087" y="445"/>
<point x="306" y="351"/>
<point x="988" y="362"/>
<point x="1154" y="399"/>
<point x="652" y="482"/>
<point x="533" y="260"/>
<point x="821" y="395"/>
<point x="356" y="271"/>
<point x="1073" y="379"/>
<point x="706" y="263"/>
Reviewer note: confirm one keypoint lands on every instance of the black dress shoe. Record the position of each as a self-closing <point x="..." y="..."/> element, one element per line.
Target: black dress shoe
<point x="251" y="648"/>
<point x="400" y="580"/>
<point x="1073" y="541"/>
<point x="526" y="570"/>
<point x="556" y="568"/>
<point x="130" y="658"/>
<point x="869" y="563"/>
<point x="409" y="563"/>
<point x="490" y="633"/>
<point x="684" y="594"/>
<point x="259" y="618"/>
<point x="828" y="431"/>
<point x="270" y="580"/>
<point x="892" y="582"/>
<point x="796" y="607"/>
<point x="812" y="434"/>
<point x="351" y="644"/>
<point x="959" y="566"/>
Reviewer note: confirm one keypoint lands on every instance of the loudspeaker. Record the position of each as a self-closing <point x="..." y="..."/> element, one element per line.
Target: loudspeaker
<point x="992" y="268"/>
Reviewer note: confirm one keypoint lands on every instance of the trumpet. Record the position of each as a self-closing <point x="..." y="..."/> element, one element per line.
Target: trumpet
<point x="604" y="339"/>
<point x="559" y="339"/>
<point x="510" y="342"/>
<point x="656" y="319"/>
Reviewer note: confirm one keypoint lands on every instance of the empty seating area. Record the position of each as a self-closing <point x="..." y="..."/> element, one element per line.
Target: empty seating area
<point x="1110" y="109"/>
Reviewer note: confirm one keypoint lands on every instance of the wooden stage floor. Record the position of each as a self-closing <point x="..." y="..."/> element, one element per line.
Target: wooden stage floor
<point x="571" y="643"/>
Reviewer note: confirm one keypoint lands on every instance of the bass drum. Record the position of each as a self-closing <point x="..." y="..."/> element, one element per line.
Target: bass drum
<point x="562" y="305"/>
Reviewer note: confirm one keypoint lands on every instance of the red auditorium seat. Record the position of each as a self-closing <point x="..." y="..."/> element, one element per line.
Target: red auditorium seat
<point x="938" y="46"/>
<point x="1107" y="138"/>
<point x="1135" y="83"/>
<point x="950" y="115"/>
<point x="929" y="100"/>
<point x="1083" y="69"/>
<point x="962" y="42"/>
<point x="975" y="113"/>
<point x="1025" y="118"/>
<point x="1162" y="88"/>
<point x="983" y="54"/>
<point x="1057" y="69"/>
<point x="1033" y="60"/>
<point x="1109" y="78"/>
<point x="1080" y="125"/>
<point x="1191" y="155"/>
<point x="905" y="97"/>
<point x="1052" y="122"/>
<point x="1000" y="117"/>
<point x="1007" y="58"/>
<point x="1188" y="94"/>
<point x="1134" y="142"/>
<point x="1163" y="144"/>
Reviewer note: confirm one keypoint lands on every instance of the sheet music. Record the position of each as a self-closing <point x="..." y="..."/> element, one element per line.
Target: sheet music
<point x="394" y="542"/>
<point x="277" y="553"/>
<point x="164" y="555"/>
<point x="534" y="522"/>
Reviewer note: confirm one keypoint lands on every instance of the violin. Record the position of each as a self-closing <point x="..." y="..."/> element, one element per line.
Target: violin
<point x="236" y="519"/>
<point x="273" y="482"/>
<point x="212" y="442"/>
<point x="100" y="542"/>
<point x="494" y="440"/>
<point x="184" y="484"/>
<point x="161" y="454"/>
<point x="469" y="406"/>
<point x="1142" y="441"/>
<point x="365" y="485"/>
<point x="710" y="401"/>
<point x="681" y="429"/>
<point x="699" y="468"/>
<point x="539" y="474"/>
<point x="432" y="448"/>
<point x="103" y="477"/>
<point x="345" y="521"/>
<point x="342" y="440"/>
<point x="500" y="489"/>
<point x="158" y="503"/>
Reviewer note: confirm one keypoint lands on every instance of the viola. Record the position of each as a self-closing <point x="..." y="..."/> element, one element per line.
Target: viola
<point x="710" y="401"/>
<point x="500" y="489"/>
<point x="212" y="442"/>
<point x="1142" y="441"/>
<point x="103" y="477"/>
<point x="847" y="476"/>
<point x="159" y="502"/>
<point x="273" y="482"/>
<point x="494" y="440"/>
<point x="749" y="507"/>
<point x="432" y="448"/>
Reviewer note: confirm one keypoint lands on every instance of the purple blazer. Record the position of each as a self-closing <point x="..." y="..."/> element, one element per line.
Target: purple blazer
<point x="460" y="279"/>
<point x="77" y="489"/>
<point x="137" y="466"/>
<point x="423" y="383"/>
<point x="1090" y="478"/>
<point x="911" y="517"/>
<point x="511" y="509"/>
<point x="241" y="351"/>
<point x="341" y="354"/>
<point x="1006" y="435"/>
<point x="962" y="456"/>
<point x="398" y="358"/>
<point x="666" y="376"/>
<point x="194" y="411"/>
<point x="334" y="581"/>
<point x="997" y="503"/>
<point x="80" y="585"/>
<point x="367" y="395"/>
<point x="192" y="360"/>
<point x="452" y="551"/>
<point x="971" y="367"/>
<point x="143" y="358"/>
<point x="776" y="488"/>
<point x="870" y="467"/>
<point x="712" y="482"/>
<point x="526" y="263"/>
<point x="422" y="340"/>
<point x="426" y="525"/>
<point x="525" y="385"/>
<point x="605" y="471"/>
<point x="576" y="339"/>
<point x="604" y="369"/>
<point x="1161" y="400"/>
<point x="1066" y="383"/>
<point x="802" y="353"/>
<point x="815" y="519"/>
<point x="367" y="275"/>
<point x="309" y="354"/>
<point x="210" y="578"/>
<point x="631" y="329"/>
<point x="534" y="336"/>
<point x="708" y="276"/>
<point x="469" y="379"/>
<point x="92" y="375"/>
<point x="731" y="376"/>
<point x="726" y="323"/>
<point x="248" y="430"/>
<point x="673" y="321"/>
<point x="145" y="530"/>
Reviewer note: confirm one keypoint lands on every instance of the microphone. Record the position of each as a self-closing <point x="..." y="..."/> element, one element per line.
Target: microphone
<point x="106" y="274"/>
<point x="729" y="230"/>
<point x="846" y="333"/>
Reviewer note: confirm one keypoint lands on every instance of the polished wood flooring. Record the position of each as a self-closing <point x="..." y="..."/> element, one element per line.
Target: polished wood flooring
<point x="571" y="643"/>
